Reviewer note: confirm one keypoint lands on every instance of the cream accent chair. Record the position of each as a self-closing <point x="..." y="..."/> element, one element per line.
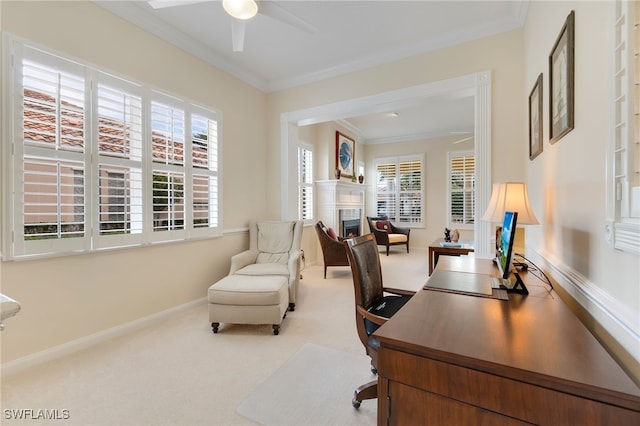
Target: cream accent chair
<point x="274" y="249"/>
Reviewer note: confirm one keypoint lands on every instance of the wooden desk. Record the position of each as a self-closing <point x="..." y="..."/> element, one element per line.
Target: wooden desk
<point x="451" y="359"/>
<point x="435" y="250"/>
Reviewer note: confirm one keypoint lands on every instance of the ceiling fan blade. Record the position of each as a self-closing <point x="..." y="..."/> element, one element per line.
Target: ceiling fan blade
<point x="160" y="4"/>
<point x="237" y="34"/>
<point x="275" y="11"/>
<point x="462" y="140"/>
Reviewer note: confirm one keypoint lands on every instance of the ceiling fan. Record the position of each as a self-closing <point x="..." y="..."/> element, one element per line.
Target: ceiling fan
<point x="464" y="139"/>
<point x="242" y="11"/>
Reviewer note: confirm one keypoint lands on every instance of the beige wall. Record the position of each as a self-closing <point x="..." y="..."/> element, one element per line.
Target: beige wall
<point x="67" y="298"/>
<point x="567" y="181"/>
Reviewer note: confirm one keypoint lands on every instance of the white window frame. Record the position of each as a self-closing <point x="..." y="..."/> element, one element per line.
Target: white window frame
<point x="468" y="217"/>
<point x="622" y="229"/>
<point x="397" y="192"/>
<point x="305" y="185"/>
<point x="15" y="246"/>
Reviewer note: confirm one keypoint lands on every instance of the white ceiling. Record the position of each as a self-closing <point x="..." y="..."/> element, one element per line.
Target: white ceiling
<point x="349" y="36"/>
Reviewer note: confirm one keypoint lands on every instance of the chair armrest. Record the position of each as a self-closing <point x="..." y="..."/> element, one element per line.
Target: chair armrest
<point x="382" y="237"/>
<point x="240" y="260"/>
<point x="294" y="263"/>
<point x="396" y="230"/>
<point x="376" y="319"/>
<point x="398" y="291"/>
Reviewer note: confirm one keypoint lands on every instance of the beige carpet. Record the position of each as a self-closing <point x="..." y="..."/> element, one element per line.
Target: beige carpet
<point x="179" y="373"/>
<point x="314" y="387"/>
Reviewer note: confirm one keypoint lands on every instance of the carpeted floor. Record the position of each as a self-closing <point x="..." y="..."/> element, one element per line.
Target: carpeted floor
<point x="311" y="388"/>
<point x="179" y="373"/>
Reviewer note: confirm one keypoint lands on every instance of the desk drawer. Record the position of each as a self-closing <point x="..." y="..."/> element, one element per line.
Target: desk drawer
<point x="519" y="400"/>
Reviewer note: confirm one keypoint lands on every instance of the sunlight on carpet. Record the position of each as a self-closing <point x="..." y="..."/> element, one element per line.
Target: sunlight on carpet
<point x="314" y="387"/>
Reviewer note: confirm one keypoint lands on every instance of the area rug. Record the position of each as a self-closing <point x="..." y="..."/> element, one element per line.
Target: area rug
<point x="314" y="387"/>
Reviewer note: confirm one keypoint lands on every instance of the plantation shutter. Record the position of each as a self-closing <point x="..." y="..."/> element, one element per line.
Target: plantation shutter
<point x="119" y="181"/>
<point x="462" y="188"/>
<point x="386" y="189"/>
<point x="410" y="191"/>
<point x="204" y="163"/>
<point x="51" y="199"/>
<point x="167" y="144"/>
<point x="305" y="184"/>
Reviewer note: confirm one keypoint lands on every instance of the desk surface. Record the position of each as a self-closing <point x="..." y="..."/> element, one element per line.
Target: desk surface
<point x="534" y="339"/>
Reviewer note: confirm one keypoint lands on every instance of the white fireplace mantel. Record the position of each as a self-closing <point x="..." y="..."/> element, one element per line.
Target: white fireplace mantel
<point x="336" y="195"/>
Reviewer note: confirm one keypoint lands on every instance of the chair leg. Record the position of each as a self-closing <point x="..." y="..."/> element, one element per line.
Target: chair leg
<point x="214" y="326"/>
<point x="325" y="272"/>
<point x="366" y="391"/>
<point x="292" y="306"/>
<point x="387" y="250"/>
<point x="407" y="247"/>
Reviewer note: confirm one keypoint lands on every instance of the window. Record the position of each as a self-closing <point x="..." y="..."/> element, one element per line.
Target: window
<point x="623" y="230"/>
<point x="95" y="161"/>
<point x="305" y="183"/>
<point x="461" y="189"/>
<point x="399" y="189"/>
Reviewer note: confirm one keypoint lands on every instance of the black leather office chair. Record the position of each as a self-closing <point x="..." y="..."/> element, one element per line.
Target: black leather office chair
<point x="372" y="307"/>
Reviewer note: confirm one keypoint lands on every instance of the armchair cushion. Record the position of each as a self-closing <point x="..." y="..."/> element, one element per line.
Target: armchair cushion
<point x="257" y="269"/>
<point x="274" y="241"/>
<point x="331" y="233"/>
<point x="383" y="225"/>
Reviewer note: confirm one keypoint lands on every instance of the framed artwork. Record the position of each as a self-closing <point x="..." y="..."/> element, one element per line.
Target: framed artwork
<point x="535" y="119"/>
<point x="345" y="154"/>
<point x="561" y="82"/>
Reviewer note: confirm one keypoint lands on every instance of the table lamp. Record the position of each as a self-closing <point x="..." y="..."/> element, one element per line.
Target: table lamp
<point x="514" y="197"/>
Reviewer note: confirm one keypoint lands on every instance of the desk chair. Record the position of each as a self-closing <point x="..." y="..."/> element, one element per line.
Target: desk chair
<point x="372" y="307"/>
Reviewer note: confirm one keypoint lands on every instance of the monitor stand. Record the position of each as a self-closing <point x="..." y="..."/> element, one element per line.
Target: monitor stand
<point x="505" y="284"/>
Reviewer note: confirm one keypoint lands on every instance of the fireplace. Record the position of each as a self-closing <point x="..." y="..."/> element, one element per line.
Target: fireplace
<point x="349" y="222"/>
<point x="351" y="228"/>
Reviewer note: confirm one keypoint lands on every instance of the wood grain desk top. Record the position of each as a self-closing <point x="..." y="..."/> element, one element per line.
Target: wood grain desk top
<point x="534" y="339"/>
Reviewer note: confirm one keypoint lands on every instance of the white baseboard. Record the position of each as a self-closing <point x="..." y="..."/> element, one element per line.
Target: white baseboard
<point x="21" y="364"/>
<point x="617" y="319"/>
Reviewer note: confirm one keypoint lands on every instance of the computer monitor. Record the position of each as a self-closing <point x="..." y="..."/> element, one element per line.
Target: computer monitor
<point x="505" y="245"/>
<point x="504" y="254"/>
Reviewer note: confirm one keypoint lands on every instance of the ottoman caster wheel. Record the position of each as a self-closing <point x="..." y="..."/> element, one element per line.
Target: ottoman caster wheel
<point x="276" y="329"/>
<point x="214" y="326"/>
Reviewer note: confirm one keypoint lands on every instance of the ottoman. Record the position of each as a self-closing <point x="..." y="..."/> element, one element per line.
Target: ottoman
<point x="243" y="299"/>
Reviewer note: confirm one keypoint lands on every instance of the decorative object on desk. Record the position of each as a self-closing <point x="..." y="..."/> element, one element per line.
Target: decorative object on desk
<point x="561" y="82"/>
<point x="455" y="236"/>
<point x="447" y="235"/>
<point x="535" y="119"/>
<point x="345" y="154"/>
<point x="360" y="178"/>
<point x="337" y="173"/>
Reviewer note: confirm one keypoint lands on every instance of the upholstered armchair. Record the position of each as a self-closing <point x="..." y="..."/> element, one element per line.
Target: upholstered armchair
<point x="274" y="249"/>
<point x="333" y="251"/>
<point x="387" y="234"/>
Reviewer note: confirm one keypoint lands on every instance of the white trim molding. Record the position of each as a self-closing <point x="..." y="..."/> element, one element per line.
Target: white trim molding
<point x="42" y="357"/>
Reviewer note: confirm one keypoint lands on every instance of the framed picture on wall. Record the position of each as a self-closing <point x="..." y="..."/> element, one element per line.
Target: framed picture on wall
<point x="345" y="154"/>
<point x="535" y="119"/>
<point x="561" y="82"/>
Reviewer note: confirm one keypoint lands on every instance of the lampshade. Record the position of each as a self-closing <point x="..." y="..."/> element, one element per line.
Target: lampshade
<point x="510" y="196"/>
<point x="240" y="9"/>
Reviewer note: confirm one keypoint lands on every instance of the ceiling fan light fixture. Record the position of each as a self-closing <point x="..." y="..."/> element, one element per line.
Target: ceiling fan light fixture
<point x="240" y="9"/>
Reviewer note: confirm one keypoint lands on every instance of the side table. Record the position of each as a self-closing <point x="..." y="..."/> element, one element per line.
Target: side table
<point x="436" y="250"/>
